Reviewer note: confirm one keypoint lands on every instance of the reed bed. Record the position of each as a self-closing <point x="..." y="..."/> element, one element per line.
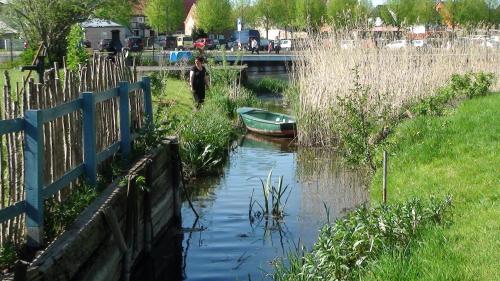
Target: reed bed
<point x="392" y="78"/>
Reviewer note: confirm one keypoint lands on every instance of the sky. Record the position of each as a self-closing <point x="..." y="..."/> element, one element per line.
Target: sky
<point x="377" y="2"/>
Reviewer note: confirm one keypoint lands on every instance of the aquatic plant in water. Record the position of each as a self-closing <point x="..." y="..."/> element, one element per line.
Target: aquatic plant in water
<point x="274" y="203"/>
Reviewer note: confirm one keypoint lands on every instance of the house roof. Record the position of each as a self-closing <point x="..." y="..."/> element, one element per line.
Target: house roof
<point x="100" y="23"/>
<point x="187" y="6"/>
<point x="5" y="29"/>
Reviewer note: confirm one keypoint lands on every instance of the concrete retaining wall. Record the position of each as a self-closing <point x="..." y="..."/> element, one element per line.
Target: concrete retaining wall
<point x="92" y="249"/>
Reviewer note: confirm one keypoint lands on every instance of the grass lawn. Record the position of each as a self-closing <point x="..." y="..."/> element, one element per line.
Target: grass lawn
<point x="178" y="97"/>
<point x="15" y="76"/>
<point x="458" y="154"/>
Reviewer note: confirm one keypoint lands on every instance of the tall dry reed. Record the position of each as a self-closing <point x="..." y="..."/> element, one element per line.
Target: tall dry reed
<point x="393" y="77"/>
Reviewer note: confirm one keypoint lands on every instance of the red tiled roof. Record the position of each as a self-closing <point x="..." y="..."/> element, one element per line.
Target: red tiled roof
<point x="187" y="6"/>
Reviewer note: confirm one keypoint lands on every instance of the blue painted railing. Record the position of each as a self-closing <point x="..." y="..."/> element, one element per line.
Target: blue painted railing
<point x="32" y="125"/>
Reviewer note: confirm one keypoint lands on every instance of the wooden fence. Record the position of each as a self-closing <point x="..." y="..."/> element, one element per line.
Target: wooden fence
<point x="43" y="132"/>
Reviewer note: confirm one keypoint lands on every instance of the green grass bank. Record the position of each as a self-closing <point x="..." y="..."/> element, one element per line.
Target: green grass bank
<point x="205" y="135"/>
<point x="456" y="154"/>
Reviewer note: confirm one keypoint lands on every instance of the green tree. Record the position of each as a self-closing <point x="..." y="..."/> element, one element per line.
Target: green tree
<point x="309" y="14"/>
<point x="467" y="13"/>
<point x="165" y="15"/>
<point x="287" y="16"/>
<point x="407" y="12"/>
<point x="76" y="53"/>
<point x="119" y="11"/>
<point x="50" y="21"/>
<point x="214" y="16"/>
<point x="246" y="11"/>
<point x="347" y="13"/>
<point x="269" y="12"/>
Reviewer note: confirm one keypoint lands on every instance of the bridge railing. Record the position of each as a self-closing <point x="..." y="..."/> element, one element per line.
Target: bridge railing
<point x="32" y="125"/>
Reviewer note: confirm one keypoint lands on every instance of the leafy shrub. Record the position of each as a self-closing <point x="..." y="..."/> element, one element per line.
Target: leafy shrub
<point x="61" y="215"/>
<point x="434" y="105"/>
<point x="205" y="140"/>
<point x="469" y="85"/>
<point x="149" y="137"/>
<point x="228" y="99"/>
<point x="27" y="56"/>
<point x="271" y="85"/>
<point x="350" y="244"/>
<point x="76" y="53"/>
<point x="223" y="76"/>
<point x="360" y="121"/>
<point x="8" y="255"/>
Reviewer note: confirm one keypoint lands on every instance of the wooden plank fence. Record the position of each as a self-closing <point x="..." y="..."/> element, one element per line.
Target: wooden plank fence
<point x="51" y="134"/>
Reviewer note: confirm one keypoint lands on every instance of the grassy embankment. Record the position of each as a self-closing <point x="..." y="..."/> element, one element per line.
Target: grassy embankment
<point x="15" y="76"/>
<point x="356" y="110"/>
<point x="205" y="134"/>
<point x="458" y="155"/>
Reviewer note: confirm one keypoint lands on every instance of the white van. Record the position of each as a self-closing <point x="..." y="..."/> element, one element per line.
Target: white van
<point x="286" y="44"/>
<point x="184" y="42"/>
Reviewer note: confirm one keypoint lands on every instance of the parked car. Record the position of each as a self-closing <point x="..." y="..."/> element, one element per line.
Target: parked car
<point x="397" y="44"/>
<point x="204" y="43"/>
<point x="484" y="42"/>
<point x="134" y="43"/>
<point x="244" y="37"/>
<point x="104" y="45"/>
<point x="166" y="42"/>
<point x="184" y="42"/>
<point x="222" y="42"/>
<point x="263" y="44"/>
<point x="347" y="44"/>
<point x="286" y="44"/>
<point x="419" y="44"/>
<point x="87" y="44"/>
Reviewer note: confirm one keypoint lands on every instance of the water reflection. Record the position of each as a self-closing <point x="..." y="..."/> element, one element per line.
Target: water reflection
<point x="327" y="184"/>
<point x="224" y="245"/>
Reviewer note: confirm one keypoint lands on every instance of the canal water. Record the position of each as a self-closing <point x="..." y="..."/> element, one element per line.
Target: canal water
<point x="231" y="242"/>
<point x="228" y="243"/>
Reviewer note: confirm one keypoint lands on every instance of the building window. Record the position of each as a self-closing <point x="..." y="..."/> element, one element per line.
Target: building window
<point x="136" y="32"/>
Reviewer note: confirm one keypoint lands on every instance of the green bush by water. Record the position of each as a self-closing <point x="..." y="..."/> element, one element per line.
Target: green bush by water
<point x="269" y="85"/>
<point x="204" y="140"/>
<point x="345" y="249"/>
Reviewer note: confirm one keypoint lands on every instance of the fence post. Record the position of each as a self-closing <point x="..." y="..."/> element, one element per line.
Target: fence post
<point x="148" y="103"/>
<point x="125" y="138"/>
<point x="33" y="161"/>
<point x="89" y="137"/>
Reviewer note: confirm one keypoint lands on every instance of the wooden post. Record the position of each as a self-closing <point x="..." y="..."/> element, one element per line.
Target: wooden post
<point x="148" y="104"/>
<point x="89" y="137"/>
<point x="33" y="161"/>
<point x="384" y="180"/>
<point x="124" y="109"/>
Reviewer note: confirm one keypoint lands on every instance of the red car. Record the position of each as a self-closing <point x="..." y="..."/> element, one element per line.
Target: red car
<point x="204" y="43"/>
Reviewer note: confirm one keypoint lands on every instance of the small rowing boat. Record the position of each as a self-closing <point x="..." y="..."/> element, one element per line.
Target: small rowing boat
<point x="268" y="123"/>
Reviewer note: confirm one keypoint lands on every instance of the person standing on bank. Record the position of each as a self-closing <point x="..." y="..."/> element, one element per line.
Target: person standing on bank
<point x="198" y="79"/>
<point x="255" y="45"/>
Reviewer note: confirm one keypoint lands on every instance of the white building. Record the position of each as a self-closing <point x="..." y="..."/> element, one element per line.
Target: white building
<point x="97" y="29"/>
